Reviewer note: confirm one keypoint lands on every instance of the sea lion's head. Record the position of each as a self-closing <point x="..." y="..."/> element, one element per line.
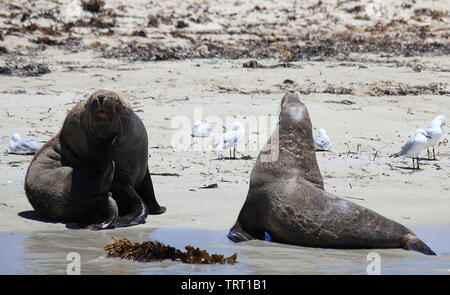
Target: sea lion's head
<point x="105" y="110"/>
<point x="296" y="142"/>
<point x="295" y="124"/>
<point x="292" y="109"/>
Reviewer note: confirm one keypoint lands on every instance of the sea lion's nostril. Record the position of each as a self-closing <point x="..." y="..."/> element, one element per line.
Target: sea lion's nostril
<point x="100" y="98"/>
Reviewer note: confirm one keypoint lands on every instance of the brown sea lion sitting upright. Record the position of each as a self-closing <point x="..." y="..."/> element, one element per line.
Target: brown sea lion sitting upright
<point x="287" y="200"/>
<point x="94" y="172"/>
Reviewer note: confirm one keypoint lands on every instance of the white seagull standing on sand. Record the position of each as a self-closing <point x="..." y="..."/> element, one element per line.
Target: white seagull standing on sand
<point x="231" y="138"/>
<point x="202" y="129"/>
<point x="434" y="130"/>
<point x="24" y="146"/>
<point x="414" y="146"/>
<point x="322" y="141"/>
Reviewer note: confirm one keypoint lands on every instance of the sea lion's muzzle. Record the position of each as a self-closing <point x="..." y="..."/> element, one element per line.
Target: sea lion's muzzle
<point x="103" y="107"/>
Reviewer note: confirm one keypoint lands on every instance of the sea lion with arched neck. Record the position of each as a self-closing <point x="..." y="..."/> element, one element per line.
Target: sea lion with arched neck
<point x="94" y="171"/>
<point x="287" y="199"/>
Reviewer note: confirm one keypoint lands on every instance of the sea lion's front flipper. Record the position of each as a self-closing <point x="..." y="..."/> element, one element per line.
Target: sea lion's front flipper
<point x="411" y="242"/>
<point x="147" y="194"/>
<point x="112" y="215"/>
<point x="237" y="234"/>
<point x="132" y="210"/>
<point x="249" y="225"/>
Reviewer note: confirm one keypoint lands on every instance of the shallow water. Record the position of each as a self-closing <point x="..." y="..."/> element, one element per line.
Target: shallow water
<point x="46" y="253"/>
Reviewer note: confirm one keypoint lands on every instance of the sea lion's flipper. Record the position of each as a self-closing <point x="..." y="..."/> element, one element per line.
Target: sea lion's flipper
<point x="132" y="210"/>
<point x="113" y="214"/>
<point x="148" y="196"/>
<point x="249" y="225"/>
<point x="128" y="220"/>
<point x="411" y="242"/>
<point x="237" y="234"/>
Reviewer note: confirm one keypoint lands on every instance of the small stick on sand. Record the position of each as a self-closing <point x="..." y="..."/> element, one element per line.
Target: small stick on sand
<point x="375" y="156"/>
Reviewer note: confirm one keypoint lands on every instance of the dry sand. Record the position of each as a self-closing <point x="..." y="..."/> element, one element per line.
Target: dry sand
<point x="387" y="96"/>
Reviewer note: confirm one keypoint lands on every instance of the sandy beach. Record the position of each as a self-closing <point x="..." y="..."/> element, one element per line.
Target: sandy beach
<point x="369" y="100"/>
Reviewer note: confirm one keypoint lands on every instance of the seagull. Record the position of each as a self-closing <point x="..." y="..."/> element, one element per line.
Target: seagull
<point x="322" y="141"/>
<point x="434" y="130"/>
<point x="202" y="129"/>
<point x="231" y="138"/>
<point x="24" y="146"/>
<point x="414" y="146"/>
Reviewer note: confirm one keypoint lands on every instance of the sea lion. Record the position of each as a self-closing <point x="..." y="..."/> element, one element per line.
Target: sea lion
<point x="287" y="200"/>
<point x="94" y="171"/>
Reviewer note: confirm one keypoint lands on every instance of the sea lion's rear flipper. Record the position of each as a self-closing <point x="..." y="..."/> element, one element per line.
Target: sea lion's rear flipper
<point x="112" y="215"/>
<point x="237" y="234"/>
<point x="411" y="242"/>
<point x="147" y="194"/>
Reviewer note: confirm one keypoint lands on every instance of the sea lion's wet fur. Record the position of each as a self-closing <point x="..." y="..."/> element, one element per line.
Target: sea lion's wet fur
<point x="101" y="150"/>
<point x="287" y="200"/>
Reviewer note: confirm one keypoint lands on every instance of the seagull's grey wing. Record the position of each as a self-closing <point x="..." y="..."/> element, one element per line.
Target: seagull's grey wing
<point x="34" y="145"/>
<point x="238" y="135"/>
<point x="17" y="146"/>
<point x="26" y="146"/>
<point x="406" y="147"/>
<point x="430" y="130"/>
<point x="225" y="141"/>
<point x="321" y="142"/>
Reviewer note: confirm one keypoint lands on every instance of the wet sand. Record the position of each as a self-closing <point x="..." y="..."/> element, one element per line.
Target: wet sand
<point x="46" y="253"/>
